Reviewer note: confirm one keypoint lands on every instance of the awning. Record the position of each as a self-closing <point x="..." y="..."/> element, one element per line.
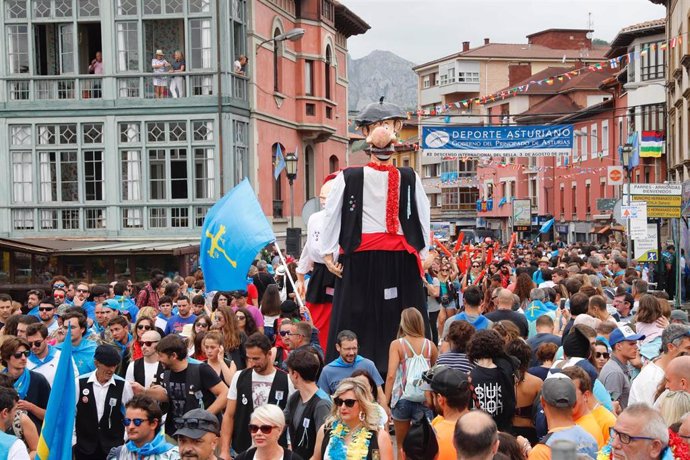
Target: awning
<point x="609" y="228"/>
<point x="69" y="246"/>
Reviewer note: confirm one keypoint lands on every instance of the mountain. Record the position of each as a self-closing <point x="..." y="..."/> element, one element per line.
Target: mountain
<point x="381" y="73"/>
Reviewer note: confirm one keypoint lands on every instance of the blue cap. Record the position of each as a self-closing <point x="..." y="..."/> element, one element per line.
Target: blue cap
<point x="114" y="305"/>
<point x="624" y="334"/>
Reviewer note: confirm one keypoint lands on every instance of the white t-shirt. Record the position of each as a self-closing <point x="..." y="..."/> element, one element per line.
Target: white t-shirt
<point x="270" y="320"/>
<point x="644" y="386"/>
<point x="48" y="370"/>
<point x="261" y="387"/>
<point x="18" y="451"/>
<point x="149" y="372"/>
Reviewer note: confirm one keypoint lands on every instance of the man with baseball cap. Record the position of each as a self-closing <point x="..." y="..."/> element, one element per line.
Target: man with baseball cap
<point x="558" y="398"/>
<point x="197" y="434"/>
<point x="615" y="374"/>
<point x="100" y="406"/>
<point x="451" y="394"/>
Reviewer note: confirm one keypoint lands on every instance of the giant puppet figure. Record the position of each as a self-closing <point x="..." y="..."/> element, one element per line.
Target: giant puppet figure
<point x="319" y="291"/>
<point x="377" y="218"/>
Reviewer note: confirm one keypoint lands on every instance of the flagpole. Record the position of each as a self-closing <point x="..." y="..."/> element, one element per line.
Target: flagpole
<point x="287" y="272"/>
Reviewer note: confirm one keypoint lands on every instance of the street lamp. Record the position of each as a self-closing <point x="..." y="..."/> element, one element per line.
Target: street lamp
<point x="291" y="35"/>
<point x="291" y="172"/>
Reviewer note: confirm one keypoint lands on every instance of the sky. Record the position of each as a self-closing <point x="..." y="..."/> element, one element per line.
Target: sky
<point x="422" y="30"/>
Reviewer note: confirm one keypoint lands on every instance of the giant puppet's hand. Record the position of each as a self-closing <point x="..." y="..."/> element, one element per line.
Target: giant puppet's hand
<point x="334" y="267"/>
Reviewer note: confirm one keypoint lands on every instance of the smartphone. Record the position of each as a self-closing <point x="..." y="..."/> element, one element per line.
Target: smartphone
<point x="562" y="305"/>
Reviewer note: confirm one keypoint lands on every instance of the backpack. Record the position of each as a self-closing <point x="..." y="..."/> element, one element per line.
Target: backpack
<point x="450" y="295"/>
<point x="412" y="369"/>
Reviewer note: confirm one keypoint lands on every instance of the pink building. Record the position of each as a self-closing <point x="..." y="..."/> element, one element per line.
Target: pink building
<point x="548" y="182"/>
<point x="298" y="97"/>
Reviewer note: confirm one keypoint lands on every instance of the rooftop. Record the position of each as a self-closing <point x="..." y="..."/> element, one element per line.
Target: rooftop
<point x="551" y="108"/>
<point x="348" y="22"/>
<point x="585" y="80"/>
<point x="627" y="34"/>
<point x="522" y="51"/>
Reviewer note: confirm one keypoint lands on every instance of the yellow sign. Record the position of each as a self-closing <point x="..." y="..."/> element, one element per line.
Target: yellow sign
<point x="668" y="213"/>
<point x="659" y="200"/>
<point x="660" y="206"/>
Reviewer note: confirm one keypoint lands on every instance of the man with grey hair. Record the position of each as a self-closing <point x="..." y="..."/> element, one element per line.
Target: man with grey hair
<point x="674" y="340"/>
<point x="684" y="429"/>
<point x="505" y="311"/>
<point x="262" y="279"/>
<point x="536" y="308"/>
<point x="639" y="433"/>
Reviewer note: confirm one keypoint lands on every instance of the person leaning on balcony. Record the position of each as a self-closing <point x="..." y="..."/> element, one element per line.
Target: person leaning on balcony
<point x="178" y="65"/>
<point x="240" y="65"/>
<point x="160" y="82"/>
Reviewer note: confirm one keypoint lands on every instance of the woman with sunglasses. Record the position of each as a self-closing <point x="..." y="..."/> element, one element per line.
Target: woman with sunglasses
<point x="201" y="324"/>
<point x="352" y="430"/>
<point x="142" y="325"/>
<point x="448" y="294"/>
<point x="233" y="337"/>
<point x="601" y="354"/>
<point x="265" y="426"/>
<point x="245" y="321"/>
<point x="215" y="357"/>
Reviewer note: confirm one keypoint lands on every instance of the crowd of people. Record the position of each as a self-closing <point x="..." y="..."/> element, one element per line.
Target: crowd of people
<point x="522" y="345"/>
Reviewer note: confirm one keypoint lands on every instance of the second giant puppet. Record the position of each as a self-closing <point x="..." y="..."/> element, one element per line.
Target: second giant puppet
<point x="377" y="217"/>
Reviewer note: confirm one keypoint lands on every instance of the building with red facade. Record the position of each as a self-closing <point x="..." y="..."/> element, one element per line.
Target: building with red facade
<point x="298" y="97"/>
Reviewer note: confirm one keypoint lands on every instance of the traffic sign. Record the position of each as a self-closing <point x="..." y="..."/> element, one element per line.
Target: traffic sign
<point x="615" y="175"/>
<point x="663" y="200"/>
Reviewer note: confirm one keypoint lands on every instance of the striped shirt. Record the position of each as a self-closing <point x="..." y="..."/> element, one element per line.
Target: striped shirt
<point x="453" y="360"/>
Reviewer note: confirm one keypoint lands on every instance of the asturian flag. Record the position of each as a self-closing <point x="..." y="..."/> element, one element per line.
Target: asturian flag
<point x="235" y="230"/>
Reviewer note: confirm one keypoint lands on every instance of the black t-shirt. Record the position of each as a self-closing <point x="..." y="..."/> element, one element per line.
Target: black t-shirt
<point x="38" y="393"/>
<point x="514" y="317"/>
<point x="177" y="392"/>
<point x="261" y="281"/>
<point x="249" y="455"/>
<point x="495" y="394"/>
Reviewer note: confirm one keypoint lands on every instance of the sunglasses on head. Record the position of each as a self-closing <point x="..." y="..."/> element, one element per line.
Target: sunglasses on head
<point x="19" y="354"/>
<point x="58" y="286"/>
<point x="144" y="326"/>
<point x="600" y="354"/>
<point x="148" y="343"/>
<point x="265" y="429"/>
<point x="36" y="344"/>
<point x="348" y="402"/>
<point x="136" y="421"/>
<point x="45" y="308"/>
<point x="195" y="424"/>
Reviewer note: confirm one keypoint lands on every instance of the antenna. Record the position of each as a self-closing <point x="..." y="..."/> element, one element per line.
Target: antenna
<point x="590" y="26"/>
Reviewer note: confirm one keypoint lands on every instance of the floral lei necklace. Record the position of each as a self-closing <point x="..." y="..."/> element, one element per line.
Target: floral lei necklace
<point x="357" y="449"/>
<point x="676" y="450"/>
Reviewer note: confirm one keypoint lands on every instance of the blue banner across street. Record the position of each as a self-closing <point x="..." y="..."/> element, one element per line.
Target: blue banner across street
<point x="504" y="141"/>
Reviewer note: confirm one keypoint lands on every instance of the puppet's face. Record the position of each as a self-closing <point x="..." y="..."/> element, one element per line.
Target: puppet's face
<point x="381" y="136"/>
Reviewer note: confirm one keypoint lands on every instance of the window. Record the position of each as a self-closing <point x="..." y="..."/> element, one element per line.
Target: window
<point x="426" y="82"/>
<point x="93" y="175"/>
<point x="573" y="199"/>
<point x="237" y="26"/>
<point x="444" y="79"/>
<point x="309" y="77"/>
<point x="131" y="175"/>
<point x="18" y="48"/>
<point x="200" y="30"/>
<point x="594" y="139"/>
<point x="468" y="77"/>
<point x="451" y="75"/>
<point x="327" y="73"/>
<point x="309" y="172"/>
<point x="631" y="67"/>
<point x="241" y="132"/>
<point x="277" y="53"/>
<point x="22" y="177"/>
<point x="653" y="117"/>
<point x="333" y="164"/>
<point x="204" y="172"/>
<point x="653" y="61"/>
<point x="588" y="197"/>
<point x="604" y="138"/>
<point x="277" y="184"/>
<point x="562" y="199"/>
<point x="127" y="47"/>
<point x="585" y="139"/>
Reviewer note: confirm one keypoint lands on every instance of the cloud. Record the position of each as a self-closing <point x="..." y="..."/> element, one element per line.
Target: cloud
<point x="422" y="30"/>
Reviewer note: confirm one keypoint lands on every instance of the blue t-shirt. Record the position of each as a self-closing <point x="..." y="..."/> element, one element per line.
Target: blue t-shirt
<point x="336" y="371"/>
<point x="584" y="442"/>
<point x="176" y="323"/>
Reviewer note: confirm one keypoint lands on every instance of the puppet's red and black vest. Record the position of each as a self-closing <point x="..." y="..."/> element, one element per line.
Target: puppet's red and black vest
<point x="351" y="214"/>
